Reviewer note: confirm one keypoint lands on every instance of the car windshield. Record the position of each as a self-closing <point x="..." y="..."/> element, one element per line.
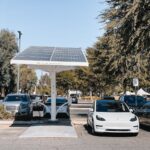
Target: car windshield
<point x="32" y="96"/>
<point x="131" y="100"/>
<point x="14" y="98"/>
<point x="146" y="106"/>
<point x="73" y="95"/>
<point x="35" y="97"/>
<point x="59" y="101"/>
<point x="109" y="98"/>
<point x="111" y="106"/>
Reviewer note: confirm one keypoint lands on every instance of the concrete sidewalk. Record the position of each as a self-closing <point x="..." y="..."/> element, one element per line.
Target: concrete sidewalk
<point x="49" y="131"/>
<point x="43" y="128"/>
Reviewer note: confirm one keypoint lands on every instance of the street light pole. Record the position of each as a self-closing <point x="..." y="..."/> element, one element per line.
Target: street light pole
<point x="18" y="66"/>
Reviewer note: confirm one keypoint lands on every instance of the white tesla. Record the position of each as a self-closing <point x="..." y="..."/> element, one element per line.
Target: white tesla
<point x="112" y="116"/>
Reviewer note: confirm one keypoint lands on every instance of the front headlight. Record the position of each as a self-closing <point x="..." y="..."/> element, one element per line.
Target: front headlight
<point x="133" y="119"/>
<point x="100" y="118"/>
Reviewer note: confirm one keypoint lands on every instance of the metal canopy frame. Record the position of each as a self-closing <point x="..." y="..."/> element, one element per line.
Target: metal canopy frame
<point x="73" y="57"/>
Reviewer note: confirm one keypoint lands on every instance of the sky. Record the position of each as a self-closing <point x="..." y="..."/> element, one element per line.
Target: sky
<point x="61" y="23"/>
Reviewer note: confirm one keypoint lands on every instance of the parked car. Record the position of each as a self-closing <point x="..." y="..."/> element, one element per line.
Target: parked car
<point x="108" y="98"/>
<point x="35" y="98"/>
<point x="148" y="97"/>
<point x="144" y="114"/>
<point x="134" y="102"/>
<point x="36" y="102"/>
<point x="18" y="104"/>
<point x="112" y="116"/>
<point x="74" y="98"/>
<point x="62" y="107"/>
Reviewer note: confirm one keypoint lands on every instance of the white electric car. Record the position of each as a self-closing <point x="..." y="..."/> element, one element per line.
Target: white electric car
<point x="112" y="116"/>
<point x="62" y="107"/>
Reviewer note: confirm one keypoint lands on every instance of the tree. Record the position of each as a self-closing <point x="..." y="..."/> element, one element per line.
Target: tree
<point x="28" y="79"/>
<point x="103" y="50"/>
<point x="127" y="28"/>
<point x="8" y="48"/>
<point x="65" y="81"/>
<point x="44" y="85"/>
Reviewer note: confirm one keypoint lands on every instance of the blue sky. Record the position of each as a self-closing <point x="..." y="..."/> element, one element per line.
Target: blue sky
<point x="64" y="23"/>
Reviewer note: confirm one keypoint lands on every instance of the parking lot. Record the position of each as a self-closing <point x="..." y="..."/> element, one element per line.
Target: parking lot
<point x="10" y="139"/>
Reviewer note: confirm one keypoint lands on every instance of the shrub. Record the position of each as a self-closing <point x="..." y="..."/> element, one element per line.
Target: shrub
<point x="4" y="114"/>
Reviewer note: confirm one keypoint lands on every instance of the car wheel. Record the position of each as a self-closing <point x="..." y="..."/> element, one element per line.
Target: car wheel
<point x="93" y="130"/>
<point x="28" y="117"/>
<point x="47" y="115"/>
<point x="87" y="123"/>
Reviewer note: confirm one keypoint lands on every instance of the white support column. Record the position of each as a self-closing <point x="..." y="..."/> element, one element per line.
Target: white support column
<point x="53" y="96"/>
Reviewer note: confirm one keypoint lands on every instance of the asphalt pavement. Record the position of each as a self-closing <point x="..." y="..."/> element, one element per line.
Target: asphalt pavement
<point x="10" y="138"/>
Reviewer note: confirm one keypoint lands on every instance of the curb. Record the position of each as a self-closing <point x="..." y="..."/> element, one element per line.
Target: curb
<point x="12" y="122"/>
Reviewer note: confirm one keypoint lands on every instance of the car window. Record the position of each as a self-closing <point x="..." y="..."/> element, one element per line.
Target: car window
<point x="109" y="98"/>
<point x="58" y="101"/>
<point x="73" y="95"/>
<point x="32" y="96"/>
<point x="35" y="97"/>
<point x="12" y="98"/>
<point x="111" y="107"/>
<point x="146" y="107"/>
<point x="131" y="100"/>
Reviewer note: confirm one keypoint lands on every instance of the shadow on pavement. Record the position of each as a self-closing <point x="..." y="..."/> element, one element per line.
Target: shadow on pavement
<point x="34" y="121"/>
<point x="145" y="127"/>
<point x="19" y="125"/>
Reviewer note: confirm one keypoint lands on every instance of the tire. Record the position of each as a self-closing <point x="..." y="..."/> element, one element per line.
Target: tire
<point x="93" y="130"/>
<point x="87" y="123"/>
<point x="28" y="117"/>
<point x="47" y="115"/>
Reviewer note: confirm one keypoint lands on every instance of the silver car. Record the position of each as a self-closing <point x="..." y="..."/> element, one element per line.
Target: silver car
<point x="18" y="104"/>
<point x="62" y="107"/>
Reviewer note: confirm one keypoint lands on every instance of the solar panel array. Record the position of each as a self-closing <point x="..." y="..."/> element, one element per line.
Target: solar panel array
<point x="59" y="54"/>
<point x="68" y="55"/>
<point x="36" y="53"/>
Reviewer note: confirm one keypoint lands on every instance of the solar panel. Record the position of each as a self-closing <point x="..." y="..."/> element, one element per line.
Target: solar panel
<point x="52" y="54"/>
<point x="36" y="53"/>
<point x="68" y="55"/>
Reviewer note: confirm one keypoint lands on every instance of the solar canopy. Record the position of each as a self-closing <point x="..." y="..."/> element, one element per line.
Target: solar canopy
<point x="51" y="56"/>
<point x="52" y="60"/>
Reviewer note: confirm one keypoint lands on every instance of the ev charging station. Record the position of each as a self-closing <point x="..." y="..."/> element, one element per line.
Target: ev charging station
<point x="52" y="60"/>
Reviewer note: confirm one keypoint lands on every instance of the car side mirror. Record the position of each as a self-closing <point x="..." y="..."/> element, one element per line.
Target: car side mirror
<point x="131" y="110"/>
<point x="91" y="110"/>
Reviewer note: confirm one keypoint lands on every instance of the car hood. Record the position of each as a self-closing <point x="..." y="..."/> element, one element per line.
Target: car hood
<point x="16" y="103"/>
<point x="113" y="116"/>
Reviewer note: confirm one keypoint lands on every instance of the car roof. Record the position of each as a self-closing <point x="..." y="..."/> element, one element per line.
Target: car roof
<point x="133" y="95"/>
<point x="109" y="97"/>
<point x="57" y="98"/>
<point x="106" y="100"/>
<point x="17" y="94"/>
